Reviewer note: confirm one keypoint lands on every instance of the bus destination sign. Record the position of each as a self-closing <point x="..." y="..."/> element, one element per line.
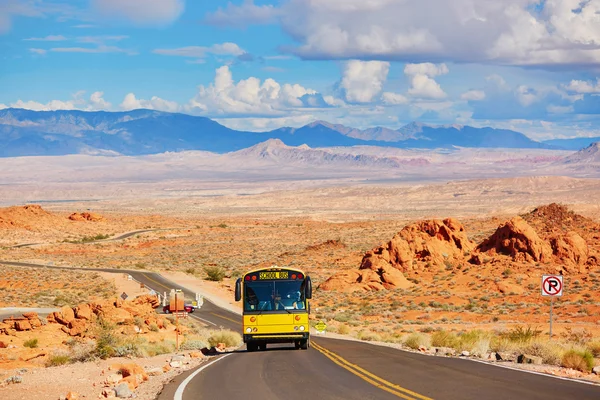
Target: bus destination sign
<point x="268" y="275"/>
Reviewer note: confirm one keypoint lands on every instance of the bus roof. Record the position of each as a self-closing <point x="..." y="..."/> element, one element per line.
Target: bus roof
<point x="274" y="269"/>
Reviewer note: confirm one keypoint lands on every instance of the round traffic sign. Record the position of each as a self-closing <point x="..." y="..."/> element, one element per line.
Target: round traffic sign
<point x="552" y="286"/>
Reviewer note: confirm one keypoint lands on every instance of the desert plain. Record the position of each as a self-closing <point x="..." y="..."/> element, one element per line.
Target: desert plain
<point x="447" y="243"/>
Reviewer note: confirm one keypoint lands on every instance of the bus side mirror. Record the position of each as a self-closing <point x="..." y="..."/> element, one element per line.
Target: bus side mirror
<point x="238" y="289"/>
<point x="308" y="288"/>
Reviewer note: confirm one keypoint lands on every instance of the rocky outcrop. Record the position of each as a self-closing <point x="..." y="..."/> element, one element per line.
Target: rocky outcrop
<point x="517" y="239"/>
<point x="431" y="241"/>
<point x="416" y="246"/>
<point x="85" y="216"/>
<point x="570" y="247"/>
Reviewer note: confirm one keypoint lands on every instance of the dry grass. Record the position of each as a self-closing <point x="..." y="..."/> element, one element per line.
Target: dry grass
<point x="42" y="287"/>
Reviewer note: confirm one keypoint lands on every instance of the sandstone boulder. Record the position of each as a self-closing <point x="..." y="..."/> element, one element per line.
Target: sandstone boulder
<point x="570" y="248"/>
<point x="517" y="239"/>
<point x="23" y="325"/>
<point x="85" y="216"/>
<point x="83" y="311"/>
<point x="64" y="316"/>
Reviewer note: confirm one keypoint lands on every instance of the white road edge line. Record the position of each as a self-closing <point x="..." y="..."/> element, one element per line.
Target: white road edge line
<point x="182" y="385"/>
<point x="203" y="320"/>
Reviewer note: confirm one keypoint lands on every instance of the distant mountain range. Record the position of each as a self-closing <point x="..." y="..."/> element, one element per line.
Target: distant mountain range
<point x="139" y="132"/>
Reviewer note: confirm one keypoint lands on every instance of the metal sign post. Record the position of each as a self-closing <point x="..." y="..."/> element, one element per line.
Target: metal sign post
<point x="552" y="286"/>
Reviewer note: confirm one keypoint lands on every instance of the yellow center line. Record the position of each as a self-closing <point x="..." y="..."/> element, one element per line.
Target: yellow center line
<point x="381" y="383"/>
<point x="158" y="283"/>
<point x="229" y="319"/>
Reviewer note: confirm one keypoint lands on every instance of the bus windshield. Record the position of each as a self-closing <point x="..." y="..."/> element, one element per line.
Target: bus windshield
<point x="274" y="295"/>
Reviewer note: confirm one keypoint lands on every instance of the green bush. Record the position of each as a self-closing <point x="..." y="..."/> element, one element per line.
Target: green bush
<point x="215" y="274"/>
<point x="230" y="338"/>
<point x="522" y="335"/>
<point x="31" y="343"/>
<point x="416" y="340"/>
<point x="106" y="340"/>
<point x="444" y="339"/>
<point x="57" y="359"/>
<point x="194" y="344"/>
<point x="580" y="360"/>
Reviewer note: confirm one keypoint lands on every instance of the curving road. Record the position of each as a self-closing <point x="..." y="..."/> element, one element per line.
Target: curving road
<point x="120" y="237"/>
<point x="341" y="369"/>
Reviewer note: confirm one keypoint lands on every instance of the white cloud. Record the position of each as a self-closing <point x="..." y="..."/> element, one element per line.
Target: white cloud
<point x="130" y="102"/>
<point x="226" y="48"/>
<point x="78" y="102"/>
<point x="527" y="96"/>
<point x="514" y="32"/>
<point x="141" y="12"/>
<point x="552" y="109"/>
<point x="423" y="86"/>
<point x="3" y="106"/>
<point x="50" y="38"/>
<point x="38" y="51"/>
<point x="266" y="124"/>
<point x="498" y="81"/>
<point x="363" y="80"/>
<point x="93" y="50"/>
<point x="473" y="95"/>
<point x="247" y="96"/>
<point x="393" y="98"/>
<point x="583" y="87"/>
<point x="101" y="39"/>
<point x="98" y="103"/>
<point x="243" y="15"/>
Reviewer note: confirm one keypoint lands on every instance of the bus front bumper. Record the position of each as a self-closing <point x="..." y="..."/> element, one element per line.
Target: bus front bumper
<point x="276" y="337"/>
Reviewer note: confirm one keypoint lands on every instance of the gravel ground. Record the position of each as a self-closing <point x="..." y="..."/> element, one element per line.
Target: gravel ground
<point x="87" y="379"/>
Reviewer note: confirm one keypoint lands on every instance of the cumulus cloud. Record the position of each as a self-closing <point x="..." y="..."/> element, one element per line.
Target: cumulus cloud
<point x="515" y="32"/>
<point x="583" y="87"/>
<point x="473" y="95"/>
<point x="363" y="80"/>
<point x="130" y="102"/>
<point x="95" y="103"/>
<point x="141" y="12"/>
<point x="393" y="98"/>
<point x="423" y="85"/>
<point x="527" y="95"/>
<point x="247" y="96"/>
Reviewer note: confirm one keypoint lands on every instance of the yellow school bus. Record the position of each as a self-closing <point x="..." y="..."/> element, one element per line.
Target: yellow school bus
<point x="276" y="307"/>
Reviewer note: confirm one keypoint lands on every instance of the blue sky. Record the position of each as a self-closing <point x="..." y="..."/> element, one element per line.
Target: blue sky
<point x="528" y="65"/>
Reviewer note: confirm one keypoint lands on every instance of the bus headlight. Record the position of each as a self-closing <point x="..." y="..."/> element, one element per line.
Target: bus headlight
<point x="302" y="328"/>
<point x="248" y="330"/>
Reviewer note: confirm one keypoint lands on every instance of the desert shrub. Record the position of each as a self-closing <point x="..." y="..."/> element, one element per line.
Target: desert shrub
<point x="594" y="348"/>
<point x="82" y="352"/>
<point x="106" y="340"/>
<point x="550" y="352"/>
<point x="342" y="317"/>
<point x="521" y="334"/>
<point x="58" y="358"/>
<point x="475" y="341"/>
<point x="501" y="343"/>
<point x="194" y="344"/>
<point x="369" y="336"/>
<point x="230" y="338"/>
<point x="215" y="274"/>
<point x="343" y="329"/>
<point x="580" y="360"/>
<point x="153" y="327"/>
<point x="444" y="339"/>
<point x="416" y="340"/>
<point x="157" y="348"/>
<point x="31" y="343"/>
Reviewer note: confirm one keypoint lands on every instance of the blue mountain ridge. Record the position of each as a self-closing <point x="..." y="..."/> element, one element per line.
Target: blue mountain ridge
<point x="140" y="132"/>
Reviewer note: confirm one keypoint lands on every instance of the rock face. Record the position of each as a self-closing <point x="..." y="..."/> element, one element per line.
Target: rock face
<point x="432" y="241"/>
<point x="517" y="239"/>
<point x="570" y="247"/>
<point x="425" y="242"/>
<point x="91" y="217"/>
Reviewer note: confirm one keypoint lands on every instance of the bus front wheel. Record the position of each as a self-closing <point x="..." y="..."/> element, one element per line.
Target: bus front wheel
<point x="251" y="346"/>
<point x="305" y="344"/>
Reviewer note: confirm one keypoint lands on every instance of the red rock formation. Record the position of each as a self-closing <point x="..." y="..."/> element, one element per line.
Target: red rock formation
<point x="516" y="238"/>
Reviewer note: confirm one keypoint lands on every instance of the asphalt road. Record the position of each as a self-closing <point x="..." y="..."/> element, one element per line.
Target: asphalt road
<point x="340" y="369"/>
<point x="120" y="237"/>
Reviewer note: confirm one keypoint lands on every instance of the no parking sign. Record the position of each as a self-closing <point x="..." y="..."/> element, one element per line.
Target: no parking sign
<point x="552" y="285"/>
